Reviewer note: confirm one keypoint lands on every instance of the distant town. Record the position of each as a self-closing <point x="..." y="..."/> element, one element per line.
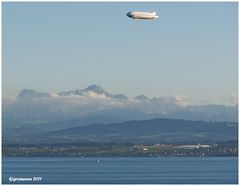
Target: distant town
<point x="229" y="148"/>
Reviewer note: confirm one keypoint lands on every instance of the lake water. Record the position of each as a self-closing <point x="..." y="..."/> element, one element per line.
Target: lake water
<point x="157" y="170"/>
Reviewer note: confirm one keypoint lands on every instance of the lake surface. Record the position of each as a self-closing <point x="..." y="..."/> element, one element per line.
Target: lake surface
<point x="198" y="170"/>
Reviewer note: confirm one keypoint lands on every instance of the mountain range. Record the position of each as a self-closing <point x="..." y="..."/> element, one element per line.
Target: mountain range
<point x="95" y="115"/>
<point x="92" y="102"/>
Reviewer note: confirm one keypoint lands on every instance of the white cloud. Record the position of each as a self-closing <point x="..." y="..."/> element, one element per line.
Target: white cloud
<point x="181" y="100"/>
<point x="94" y="95"/>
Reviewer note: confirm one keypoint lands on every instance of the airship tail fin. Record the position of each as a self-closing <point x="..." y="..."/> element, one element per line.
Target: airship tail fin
<point x="154" y="13"/>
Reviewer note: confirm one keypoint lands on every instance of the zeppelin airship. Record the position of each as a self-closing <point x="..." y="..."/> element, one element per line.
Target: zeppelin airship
<point x="142" y="15"/>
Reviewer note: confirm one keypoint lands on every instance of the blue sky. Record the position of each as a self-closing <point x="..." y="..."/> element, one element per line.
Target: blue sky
<point x="190" y="50"/>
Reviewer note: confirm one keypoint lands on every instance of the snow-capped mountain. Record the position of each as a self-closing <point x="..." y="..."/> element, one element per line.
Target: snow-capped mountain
<point x="95" y="101"/>
<point x="28" y="93"/>
<point x="92" y="89"/>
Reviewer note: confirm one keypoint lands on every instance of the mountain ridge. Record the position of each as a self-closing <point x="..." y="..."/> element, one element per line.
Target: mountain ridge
<point x="158" y="130"/>
<point x="32" y="106"/>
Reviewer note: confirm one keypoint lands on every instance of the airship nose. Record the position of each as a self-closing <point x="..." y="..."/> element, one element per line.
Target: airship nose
<point x="129" y="14"/>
